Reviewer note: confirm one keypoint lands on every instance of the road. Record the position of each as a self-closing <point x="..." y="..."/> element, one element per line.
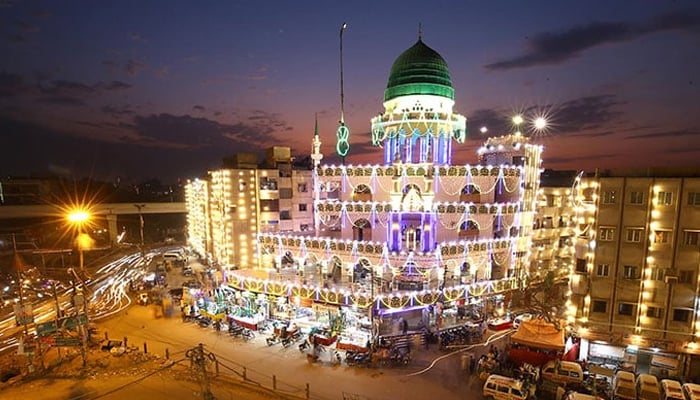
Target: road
<point x="432" y="374"/>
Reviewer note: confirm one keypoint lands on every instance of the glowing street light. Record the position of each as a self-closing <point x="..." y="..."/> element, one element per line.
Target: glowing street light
<point x="483" y="129"/>
<point x="540" y="123"/>
<point x="518" y="119"/>
<point x="78" y="218"/>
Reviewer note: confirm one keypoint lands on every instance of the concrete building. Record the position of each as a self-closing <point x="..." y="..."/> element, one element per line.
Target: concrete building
<point x="228" y="208"/>
<point x="635" y="281"/>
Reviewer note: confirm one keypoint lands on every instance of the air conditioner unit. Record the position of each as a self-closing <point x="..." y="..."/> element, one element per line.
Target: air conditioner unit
<point x="670" y="279"/>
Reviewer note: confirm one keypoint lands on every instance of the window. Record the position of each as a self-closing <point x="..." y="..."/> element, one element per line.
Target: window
<point x="657" y="274"/>
<point x="694" y="198"/>
<point x="301" y="188"/>
<point x="690" y="238"/>
<point x="664" y="198"/>
<point x="581" y="265"/>
<point x="630" y="272"/>
<point x="285" y="215"/>
<point x="302" y="207"/>
<point x="686" y="276"/>
<point x="268" y="184"/>
<point x="602" y="270"/>
<point x="600" y="306"/>
<point x="286" y="193"/>
<point x="634" y="235"/>
<point x="269" y="205"/>
<point x="662" y="237"/>
<point x="655" y="312"/>
<point x="606" y="234"/>
<point x="625" y="309"/>
<point x="681" y="314"/>
<point x="636" y="197"/>
<point x="609" y="197"/>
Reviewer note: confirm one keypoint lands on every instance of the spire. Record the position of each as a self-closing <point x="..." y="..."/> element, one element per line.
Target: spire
<point x="316" y="124"/>
<point x="420" y="32"/>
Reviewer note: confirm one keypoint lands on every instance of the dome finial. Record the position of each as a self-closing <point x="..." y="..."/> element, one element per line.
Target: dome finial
<point x="420" y="31"/>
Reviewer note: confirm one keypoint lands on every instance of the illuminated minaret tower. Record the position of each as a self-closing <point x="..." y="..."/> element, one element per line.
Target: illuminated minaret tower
<point x="316" y="158"/>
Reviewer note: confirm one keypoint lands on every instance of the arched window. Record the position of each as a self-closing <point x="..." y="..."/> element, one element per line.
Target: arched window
<point x="362" y="230"/>
<point x="470" y="194"/>
<point x="362" y="193"/>
<point x="469" y="230"/>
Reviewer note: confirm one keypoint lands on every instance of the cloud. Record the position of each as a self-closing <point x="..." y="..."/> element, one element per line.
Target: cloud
<point x="564" y="160"/>
<point x="136" y="37"/>
<point x="27" y="27"/>
<point x="61" y="87"/>
<point x="586" y="113"/>
<point x="117" y="112"/>
<point x="41" y="13"/>
<point x="117" y="85"/>
<point x="557" y="47"/>
<point x="186" y="131"/>
<point x="16" y="38"/>
<point x="198" y="108"/>
<point x="60" y="100"/>
<point x="665" y="134"/>
<point x="11" y="84"/>
<point x="133" y="67"/>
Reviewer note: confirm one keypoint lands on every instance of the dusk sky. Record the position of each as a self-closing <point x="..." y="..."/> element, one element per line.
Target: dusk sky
<point x="166" y="89"/>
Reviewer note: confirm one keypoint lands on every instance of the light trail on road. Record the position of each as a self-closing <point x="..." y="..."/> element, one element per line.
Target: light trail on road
<point x="488" y="341"/>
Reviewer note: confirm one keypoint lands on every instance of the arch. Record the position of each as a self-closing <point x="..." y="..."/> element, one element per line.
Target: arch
<point x="412" y="199"/>
<point x="469" y="230"/>
<point x="335" y="268"/>
<point x="362" y="192"/>
<point x="470" y="194"/>
<point x="362" y="230"/>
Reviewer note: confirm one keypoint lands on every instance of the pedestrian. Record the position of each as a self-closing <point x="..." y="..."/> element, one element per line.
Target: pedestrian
<point x="404" y="326"/>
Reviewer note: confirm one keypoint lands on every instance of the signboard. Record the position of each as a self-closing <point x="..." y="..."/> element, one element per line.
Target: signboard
<point x="24" y="314"/>
<point x="63" y="323"/>
<point x="61" y="341"/>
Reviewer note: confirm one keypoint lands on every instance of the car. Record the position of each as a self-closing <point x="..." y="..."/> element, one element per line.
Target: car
<point x="564" y="372"/>
<point x="671" y="390"/>
<point x="500" y="324"/>
<point x="520" y="319"/>
<point x="624" y="387"/>
<point x="647" y="387"/>
<point x="691" y="391"/>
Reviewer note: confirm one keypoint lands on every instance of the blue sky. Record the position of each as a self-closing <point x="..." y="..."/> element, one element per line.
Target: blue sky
<point x="168" y="88"/>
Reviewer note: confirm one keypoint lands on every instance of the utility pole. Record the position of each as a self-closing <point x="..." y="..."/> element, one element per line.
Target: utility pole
<point x="140" y="208"/>
<point x="198" y="362"/>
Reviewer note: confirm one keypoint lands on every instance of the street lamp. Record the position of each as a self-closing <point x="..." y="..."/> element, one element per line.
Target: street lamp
<point x="78" y="218"/>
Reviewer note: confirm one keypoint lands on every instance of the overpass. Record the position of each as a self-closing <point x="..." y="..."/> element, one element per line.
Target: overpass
<point x="108" y="210"/>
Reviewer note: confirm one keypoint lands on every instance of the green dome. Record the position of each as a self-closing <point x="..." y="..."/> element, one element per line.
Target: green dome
<point x="419" y="70"/>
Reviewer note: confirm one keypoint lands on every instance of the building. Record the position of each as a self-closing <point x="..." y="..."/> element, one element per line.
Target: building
<point x="415" y="236"/>
<point x="635" y="282"/>
<point x="228" y="208"/>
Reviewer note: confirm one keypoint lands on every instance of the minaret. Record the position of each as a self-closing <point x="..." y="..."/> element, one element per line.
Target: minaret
<point x="316" y="157"/>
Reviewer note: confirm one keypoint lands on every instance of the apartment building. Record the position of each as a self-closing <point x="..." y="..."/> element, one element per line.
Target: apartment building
<point x="231" y="206"/>
<point x="635" y="280"/>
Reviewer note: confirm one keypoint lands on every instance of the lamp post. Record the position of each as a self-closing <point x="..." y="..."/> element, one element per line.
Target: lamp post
<point x="78" y="218"/>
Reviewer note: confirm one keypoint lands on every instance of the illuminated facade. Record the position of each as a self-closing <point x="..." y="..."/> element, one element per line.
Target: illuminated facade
<point x="228" y="209"/>
<point x="635" y="283"/>
<point x="415" y="230"/>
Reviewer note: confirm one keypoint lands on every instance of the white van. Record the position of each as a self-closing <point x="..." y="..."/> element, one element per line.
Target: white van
<point x="624" y="387"/>
<point x="648" y="387"/>
<point x="499" y="387"/>
<point x="565" y="372"/>
<point x="173" y="256"/>
<point x="671" y="390"/>
<point x="691" y="391"/>
<point x="580" y="396"/>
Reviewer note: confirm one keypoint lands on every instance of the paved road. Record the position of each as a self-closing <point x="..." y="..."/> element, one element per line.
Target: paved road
<point x="326" y="380"/>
